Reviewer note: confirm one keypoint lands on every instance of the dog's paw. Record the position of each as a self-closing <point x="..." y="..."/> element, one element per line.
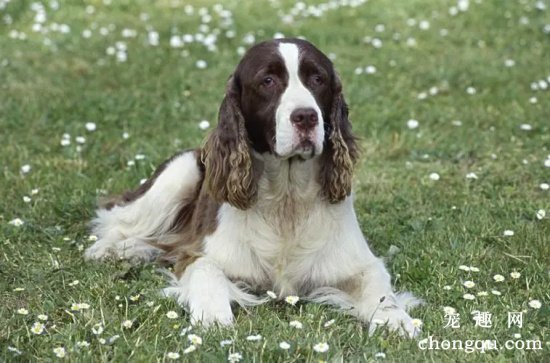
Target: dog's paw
<point x="130" y="249"/>
<point x="100" y="250"/>
<point x="395" y="319"/>
<point x="210" y="315"/>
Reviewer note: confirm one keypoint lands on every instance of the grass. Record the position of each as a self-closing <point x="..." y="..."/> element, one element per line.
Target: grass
<point x="54" y="83"/>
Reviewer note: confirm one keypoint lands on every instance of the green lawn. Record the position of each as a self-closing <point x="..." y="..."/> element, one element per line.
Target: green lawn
<point x="92" y="61"/>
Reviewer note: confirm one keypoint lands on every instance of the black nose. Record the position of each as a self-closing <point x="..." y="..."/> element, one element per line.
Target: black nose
<point x="304" y="118"/>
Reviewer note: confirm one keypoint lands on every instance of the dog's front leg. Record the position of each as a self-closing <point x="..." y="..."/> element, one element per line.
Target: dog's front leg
<point x="205" y="291"/>
<point x="377" y="305"/>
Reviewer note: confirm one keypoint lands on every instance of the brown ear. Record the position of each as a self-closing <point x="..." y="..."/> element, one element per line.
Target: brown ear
<point x="340" y="152"/>
<point x="226" y="155"/>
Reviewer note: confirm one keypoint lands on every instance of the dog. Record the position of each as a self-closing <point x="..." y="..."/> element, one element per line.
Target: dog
<point x="266" y="204"/>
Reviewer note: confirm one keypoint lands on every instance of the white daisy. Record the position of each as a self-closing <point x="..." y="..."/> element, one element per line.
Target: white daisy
<point x="296" y="324"/>
<point x="541" y="213"/>
<point x="172" y="315"/>
<point x="22" y="311"/>
<point x="42" y="317"/>
<point x="97" y="329"/>
<point x="292" y="300"/>
<point x="468" y="297"/>
<point x="60" y="352"/>
<point x="234" y="357"/>
<point x="90" y="126"/>
<point x="469" y="284"/>
<point x="321" y="347"/>
<point x="515" y="275"/>
<point x="412" y="124"/>
<point x="194" y="339"/>
<point x="25" y="168"/>
<point x="17" y="222"/>
<point x="127" y="324"/>
<point x="37" y="328"/>
<point x="508" y="233"/>
<point x="254" y="338"/>
<point x="190" y="349"/>
<point x="284" y="345"/>
<point x="172" y="355"/>
<point x="498" y="278"/>
<point x="434" y="176"/>
<point x="535" y="304"/>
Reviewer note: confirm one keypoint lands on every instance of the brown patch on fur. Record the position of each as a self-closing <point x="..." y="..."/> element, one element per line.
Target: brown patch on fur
<point x="132" y="195"/>
<point x="196" y="220"/>
<point x="341" y="152"/>
<point x="229" y="175"/>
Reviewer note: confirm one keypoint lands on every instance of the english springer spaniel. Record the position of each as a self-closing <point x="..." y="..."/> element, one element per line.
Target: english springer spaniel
<point x="266" y="204"/>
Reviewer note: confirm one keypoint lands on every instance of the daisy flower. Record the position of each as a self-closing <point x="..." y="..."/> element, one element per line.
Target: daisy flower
<point x="194" y="339"/>
<point x="37" y="328"/>
<point x="190" y="349"/>
<point x="234" y="357"/>
<point x="296" y="324"/>
<point x="97" y="329"/>
<point x="417" y="323"/>
<point x="204" y="124"/>
<point x="172" y="355"/>
<point x="254" y="338"/>
<point x="498" y="278"/>
<point x="90" y="126"/>
<point x="83" y="344"/>
<point x="496" y="292"/>
<point x="60" y="352"/>
<point x="468" y="297"/>
<point x="127" y="324"/>
<point x="469" y="284"/>
<point x="535" y="304"/>
<point x="541" y="213"/>
<point x="17" y="222"/>
<point x="508" y="233"/>
<point x="225" y="342"/>
<point x="380" y="355"/>
<point x="412" y="124"/>
<point x="172" y="315"/>
<point x="22" y="311"/>
<point x="434" y="176"/>
<point x="42" y="317"/>
<point x="292" y="300"/>
<point x="321" y="347"/>
<point x="284" y="345"/>
<point x="482" y="293"/>
<point x="515" y="275"/>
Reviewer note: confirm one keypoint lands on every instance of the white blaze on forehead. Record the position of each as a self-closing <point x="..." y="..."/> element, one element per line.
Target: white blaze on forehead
<point x="295" y="96"/>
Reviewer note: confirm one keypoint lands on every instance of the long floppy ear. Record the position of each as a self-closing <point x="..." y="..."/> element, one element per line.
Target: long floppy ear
<point x="229" y="173"/>
<point x="340" y="152"/>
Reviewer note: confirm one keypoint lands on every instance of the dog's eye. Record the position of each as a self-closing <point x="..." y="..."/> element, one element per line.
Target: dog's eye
<point x="317" y="80"/>
<point x="268" y="81"/>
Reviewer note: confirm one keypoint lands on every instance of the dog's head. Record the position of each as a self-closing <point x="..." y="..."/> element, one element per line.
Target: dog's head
<point x="285" y="99"/>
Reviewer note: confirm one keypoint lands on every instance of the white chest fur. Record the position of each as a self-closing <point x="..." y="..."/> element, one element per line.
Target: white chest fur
<point x="291" y="240"/>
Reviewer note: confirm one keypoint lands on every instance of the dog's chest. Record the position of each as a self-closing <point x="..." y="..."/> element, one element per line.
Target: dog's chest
<point x="277" y="250"/>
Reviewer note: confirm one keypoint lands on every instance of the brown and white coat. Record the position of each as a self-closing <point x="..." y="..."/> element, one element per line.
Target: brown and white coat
<point x="266" y="204"/>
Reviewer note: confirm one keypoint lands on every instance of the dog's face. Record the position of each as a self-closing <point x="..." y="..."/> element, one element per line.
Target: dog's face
<point x="285" y="99"/>
<point x="285" y="89"/>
